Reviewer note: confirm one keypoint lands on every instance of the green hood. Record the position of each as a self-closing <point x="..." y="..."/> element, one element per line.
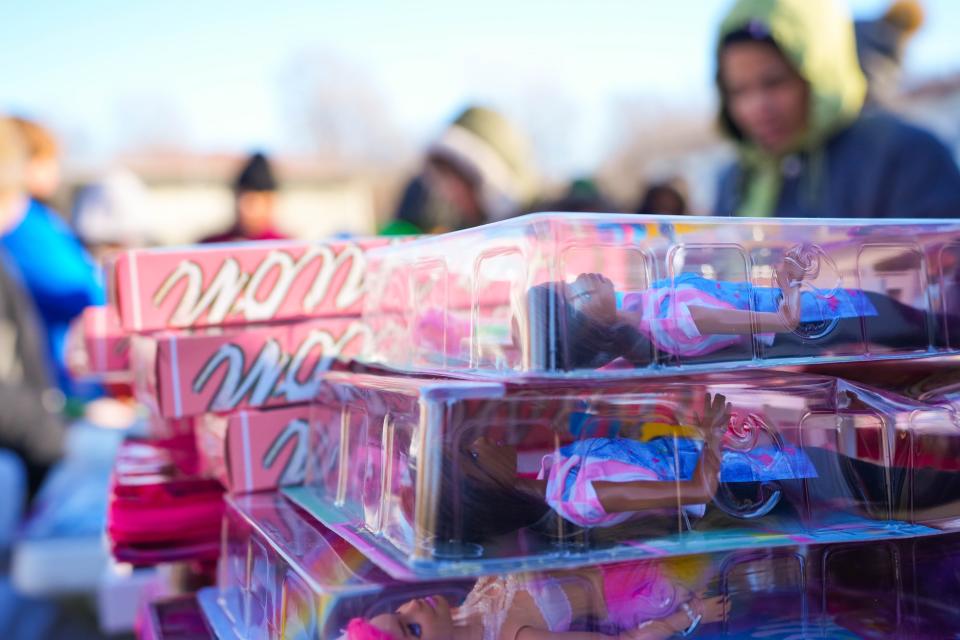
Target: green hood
<point x="817" y="37"/>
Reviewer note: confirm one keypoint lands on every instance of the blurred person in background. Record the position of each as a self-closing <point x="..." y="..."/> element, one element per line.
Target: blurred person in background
<point x="31" y="430"/>
<point x="668" y="197"/>
<point x="42" y="177"/>
<point x="792" y="94"/>
<point x="881" y="47"/>
<point x="479" y="170"/>
<point x="418" y="211"/>
<point x="582" y="195"/>
<point x="255" y="203"/>
<point x="56" y="270"/>
<point x="110" y="215"/>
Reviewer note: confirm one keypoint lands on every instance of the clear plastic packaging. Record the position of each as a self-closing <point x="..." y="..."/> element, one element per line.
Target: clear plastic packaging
<point x="434" y="477"/>
<point x="283" y="576"/>
<point x="582" y="293"/>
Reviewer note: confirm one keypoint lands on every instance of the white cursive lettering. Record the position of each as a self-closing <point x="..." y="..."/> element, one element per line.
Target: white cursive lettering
<point x="274" y="374"/>
<point x="219" y="297"/>
<point x="237" y="384"/>
<point x="234" y="292"/>
<point x="295" y="468"/>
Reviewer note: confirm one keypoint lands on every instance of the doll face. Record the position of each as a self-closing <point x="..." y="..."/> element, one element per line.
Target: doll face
<point x="593" y="295"/>
<point x="425" y="618"/>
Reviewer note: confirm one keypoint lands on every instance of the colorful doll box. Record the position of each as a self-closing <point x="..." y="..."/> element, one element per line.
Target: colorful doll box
<point x="184" y="374"/>
<point x="438" y="477"/>
<point x="154" y="289"/>
<point x="621" y="295"/>
<point x="107" y="344"/>
<point x="256" y="450"/>
<point x="284" y="576"/>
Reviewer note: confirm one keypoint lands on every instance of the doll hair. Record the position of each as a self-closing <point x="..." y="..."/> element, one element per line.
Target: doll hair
<point x="564" y="339"/>
<point x="475" y="510"/>
<point x="361" y="629"/>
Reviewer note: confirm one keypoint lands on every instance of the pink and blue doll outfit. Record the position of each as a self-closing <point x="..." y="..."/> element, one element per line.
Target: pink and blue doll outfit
<point x="634" y="593"/>
<point x="666" y="320"/>
<point x="571" y="471"/>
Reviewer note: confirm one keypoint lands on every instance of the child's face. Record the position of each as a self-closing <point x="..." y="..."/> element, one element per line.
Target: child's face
<point x="767" y="98"/>
<point x="425" y="618"/>
<point x="593" y="295"/>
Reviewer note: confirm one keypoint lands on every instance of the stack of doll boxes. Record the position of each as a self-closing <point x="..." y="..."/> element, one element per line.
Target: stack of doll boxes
<point x="569" y="392"/>
<point x="283" y="575"/>
<point x="227" y="344"/>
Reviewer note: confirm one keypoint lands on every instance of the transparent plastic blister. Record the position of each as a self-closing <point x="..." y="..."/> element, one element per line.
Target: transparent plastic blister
<point x="282" y="575"/>
<point x="433" y="477"/>
<point x="879" y="590"/>
<point x="613" y="294"/>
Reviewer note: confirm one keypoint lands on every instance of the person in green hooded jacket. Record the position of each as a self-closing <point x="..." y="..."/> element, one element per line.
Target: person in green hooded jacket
<point x="792" y="96"/>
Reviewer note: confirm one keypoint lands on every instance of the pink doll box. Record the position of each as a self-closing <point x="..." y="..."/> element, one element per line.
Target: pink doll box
<point x="616" y="295"/>
<point x="107" y="344"/>
<point x="239" y="283"/>
<point x="182" y="374"/>
<point x="256" y="450"/>
<point x="435" y="477"/>
<point x="156" y="427"/>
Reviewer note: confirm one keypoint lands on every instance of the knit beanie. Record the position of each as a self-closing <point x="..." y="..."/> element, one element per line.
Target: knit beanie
<point x="494" y="155"/>
<point x="256" y="175"/>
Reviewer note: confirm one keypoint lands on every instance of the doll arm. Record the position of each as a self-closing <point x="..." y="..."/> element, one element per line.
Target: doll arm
<point x="661" y="629"/>
<point x="637" y="495"/>
<point x="721" y="321"/>
<point x="711" y="321"/>
<point x="620" y="497"/>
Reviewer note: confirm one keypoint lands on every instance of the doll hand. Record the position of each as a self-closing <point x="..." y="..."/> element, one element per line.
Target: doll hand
<point x="712" y="609"/>
<point x="715" y="420"/>
<point x="800" y="263"/>
<point x="790" y="303"/>
<point x="713" y="424"/>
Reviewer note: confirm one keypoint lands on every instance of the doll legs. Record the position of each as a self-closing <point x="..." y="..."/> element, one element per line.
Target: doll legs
<point x="916" y="494"/>
<point x="896" y="326"/>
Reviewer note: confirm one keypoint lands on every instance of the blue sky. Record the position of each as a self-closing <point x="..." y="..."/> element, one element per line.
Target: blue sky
<point x="215" y="71"/>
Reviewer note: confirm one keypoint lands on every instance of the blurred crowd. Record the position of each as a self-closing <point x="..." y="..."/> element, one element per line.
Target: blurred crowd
<point x="804" y="99"/>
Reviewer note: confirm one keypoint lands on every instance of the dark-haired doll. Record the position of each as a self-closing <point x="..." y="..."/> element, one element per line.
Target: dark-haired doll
<point x="601" y="482"/>
<point x="587" y="324"/>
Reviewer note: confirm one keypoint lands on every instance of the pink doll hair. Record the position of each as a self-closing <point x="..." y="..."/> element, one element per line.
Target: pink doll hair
<point x="360" y="629"/>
